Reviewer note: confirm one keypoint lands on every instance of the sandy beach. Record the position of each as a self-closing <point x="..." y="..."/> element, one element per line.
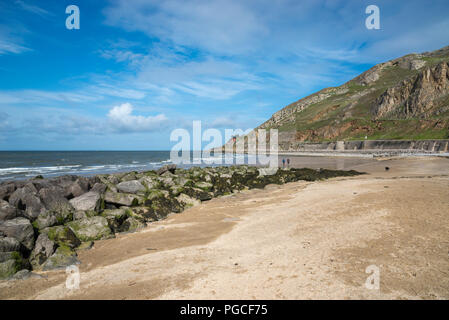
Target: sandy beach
<point x="302" y="240"/>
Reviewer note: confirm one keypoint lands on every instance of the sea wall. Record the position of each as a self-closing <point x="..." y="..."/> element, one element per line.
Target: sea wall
<point x="412" y="146"/>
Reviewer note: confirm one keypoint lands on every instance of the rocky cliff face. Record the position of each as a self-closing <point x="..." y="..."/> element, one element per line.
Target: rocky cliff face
<point x="405" y="98"/>
<point x="289" y="112"/>
<point x="415" y="97"/>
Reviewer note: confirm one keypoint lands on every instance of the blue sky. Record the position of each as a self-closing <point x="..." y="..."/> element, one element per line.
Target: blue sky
<point x="137" y="69"/>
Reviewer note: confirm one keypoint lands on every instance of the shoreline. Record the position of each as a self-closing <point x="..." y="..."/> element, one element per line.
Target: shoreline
<point x="279" y="250"/>
<point x="363" y="154"/>
<point x="72" y="167"/>
<point x="44" y="222"/>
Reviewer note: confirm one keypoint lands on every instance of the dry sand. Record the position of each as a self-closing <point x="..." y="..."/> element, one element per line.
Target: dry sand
<point x="303" y="240"/>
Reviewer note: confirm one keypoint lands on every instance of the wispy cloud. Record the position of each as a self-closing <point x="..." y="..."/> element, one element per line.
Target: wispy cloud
<point x="12" y="33"/>
<point x="12" y="30"/>
<point x="32" y="8"/>
<point x="8" y="46"/>
<point x="153" y="63"/>
<point x="122" y="56"/>
<point x="241" y="45"/>
<point x="233" y="121"/>
<point x="216" y="25"/>
<point x="118" y="91"/>
<point x="90" y="93"/>
<point x="45" y="97"/>
<point x="10" y="41"/>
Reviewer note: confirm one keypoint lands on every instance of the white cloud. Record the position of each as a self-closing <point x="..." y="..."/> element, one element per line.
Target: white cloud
<point x="219" y="48"/>
<point x="59" y="121"/>
<point x="118" y="90"/>
<point x="122" y="120"/>
<point x="32" y="8"/>
<point x="122" y="56"/>
<point x="44" y="97"/>
<point x="430" y="37"/>
<point x="335" y="29"/>
<point x="12" y="30"/>
<point x="218" y="89"/>
<point x="217" y="25"/>
<point x="9" y="46"/>
<point x="170" y="69"/>
<point x="89" y="94"/>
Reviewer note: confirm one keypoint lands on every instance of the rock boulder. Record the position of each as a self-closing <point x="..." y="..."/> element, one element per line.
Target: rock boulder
<point x="88" y="201"/>
<point x="8" y="244"/>
<point x="122" y="199"/>
<point x="43" y="249"/>
<point x="132" y="186"/>
<point x="170" y="168"/>
<point x="63" y="236"/>
<point x="25" y="199"/>
<point x="91" y="229"/>
<point x="19" y="229"/>
<point x="7" y="211"/>
<point x="62" y="258"/>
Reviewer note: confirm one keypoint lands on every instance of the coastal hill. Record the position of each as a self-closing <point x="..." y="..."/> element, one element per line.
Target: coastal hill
<point x="405" y="98"/>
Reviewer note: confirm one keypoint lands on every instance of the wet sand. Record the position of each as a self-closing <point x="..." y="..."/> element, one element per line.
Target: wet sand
<point x="302" y="240"/>
<point x="334" y="163"/>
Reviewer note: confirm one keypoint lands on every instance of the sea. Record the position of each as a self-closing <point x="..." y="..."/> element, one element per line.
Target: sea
<point x="19" y="165"/>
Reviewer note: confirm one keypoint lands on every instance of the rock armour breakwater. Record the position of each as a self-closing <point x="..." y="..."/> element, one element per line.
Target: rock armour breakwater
<point x="44" y="222"/>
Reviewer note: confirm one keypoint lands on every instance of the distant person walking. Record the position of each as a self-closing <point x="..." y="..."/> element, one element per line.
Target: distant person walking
<point x="283" y="163"/>
<point x="288" y="162"/>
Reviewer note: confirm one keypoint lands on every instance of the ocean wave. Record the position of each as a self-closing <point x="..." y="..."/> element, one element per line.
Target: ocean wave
<point x="18" y="171"/>
<point x="5" y="171"/>
<point x="91" y="168"/>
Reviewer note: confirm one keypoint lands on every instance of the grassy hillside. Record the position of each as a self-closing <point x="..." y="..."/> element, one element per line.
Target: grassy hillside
<point x="406" y="98"/>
